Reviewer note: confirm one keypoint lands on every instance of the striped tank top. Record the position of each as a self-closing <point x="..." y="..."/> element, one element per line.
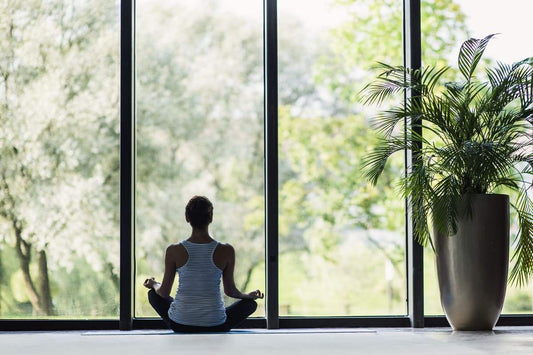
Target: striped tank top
<point x="198" y="300"/>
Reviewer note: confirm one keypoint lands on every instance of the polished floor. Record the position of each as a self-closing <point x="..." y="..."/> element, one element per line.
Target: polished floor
<point x="508" y="340"/>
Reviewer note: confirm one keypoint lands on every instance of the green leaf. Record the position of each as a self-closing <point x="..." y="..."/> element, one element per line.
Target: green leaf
<point x="470" y="54"/>
<point x="523" y="255"/>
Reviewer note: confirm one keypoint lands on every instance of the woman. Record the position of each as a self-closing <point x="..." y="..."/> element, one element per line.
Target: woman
<point x="200" y="262"/>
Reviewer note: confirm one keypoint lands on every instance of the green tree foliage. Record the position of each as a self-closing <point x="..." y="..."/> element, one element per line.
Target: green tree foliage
<point x="59" y="141"/>
<point x="372" y="32"/>
<point x="325" y="204"/>
<point x="320" y="177"/>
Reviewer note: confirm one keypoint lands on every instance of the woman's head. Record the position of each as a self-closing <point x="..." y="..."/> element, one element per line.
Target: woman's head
<point x="199" y="212"/>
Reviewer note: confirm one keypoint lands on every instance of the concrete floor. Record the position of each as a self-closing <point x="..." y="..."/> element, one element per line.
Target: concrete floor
<point x="508" y="340"/>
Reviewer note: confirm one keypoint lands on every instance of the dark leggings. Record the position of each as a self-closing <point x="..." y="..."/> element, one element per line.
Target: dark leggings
<point x="235" y="314"/>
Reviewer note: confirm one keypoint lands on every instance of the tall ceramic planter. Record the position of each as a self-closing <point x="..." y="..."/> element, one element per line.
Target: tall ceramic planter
<point x="472" y="265"/>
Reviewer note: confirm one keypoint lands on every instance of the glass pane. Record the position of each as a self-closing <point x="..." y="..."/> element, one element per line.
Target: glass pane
<point x="342" y="244"/>
<point x="476" y="18"/>
<point x="59" y="171"/>
<point x="199" y="132"/>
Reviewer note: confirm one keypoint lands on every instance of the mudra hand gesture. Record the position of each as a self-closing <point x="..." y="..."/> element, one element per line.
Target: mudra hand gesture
<point x="255" y="295"/>
<point x="149" y="283"/>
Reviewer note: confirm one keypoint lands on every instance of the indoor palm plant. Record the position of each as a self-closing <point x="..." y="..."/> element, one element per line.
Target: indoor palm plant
<point x="472" y="137"/>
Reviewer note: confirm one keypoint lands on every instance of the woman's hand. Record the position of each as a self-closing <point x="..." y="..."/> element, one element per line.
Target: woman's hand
<point x="255" y="295"/>
<point x="149" y="283"/>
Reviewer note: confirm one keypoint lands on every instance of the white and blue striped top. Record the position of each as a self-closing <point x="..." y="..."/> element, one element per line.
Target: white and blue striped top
<point x="198" y="300"/>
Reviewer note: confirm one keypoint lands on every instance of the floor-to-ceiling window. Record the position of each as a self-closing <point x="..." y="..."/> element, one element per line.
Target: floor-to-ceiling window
<point x="199" y="92"/>
<point x="59" y="165"/>
<point x="199" y="131"/>
<point x="476" y="18"/>
<point x="341" y="240"/>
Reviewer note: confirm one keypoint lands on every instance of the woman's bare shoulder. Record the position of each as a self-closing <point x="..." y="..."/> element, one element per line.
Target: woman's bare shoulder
<point x="224" y="254"/>
<point x="178" y="254"/>
<point x="226" y="248"/>
<point x="176" y="249"/>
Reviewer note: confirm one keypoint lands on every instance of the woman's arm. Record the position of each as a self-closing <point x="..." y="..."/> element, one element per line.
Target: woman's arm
<point x="163" y="289"/>
<point x="227" y="278"/>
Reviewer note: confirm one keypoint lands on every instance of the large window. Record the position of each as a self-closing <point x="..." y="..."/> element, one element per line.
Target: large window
<point x="341" y="240"/>
<point x="336" y="245"/>
<point x="200" y="131"/>
<point x="478" y="19"/>
<point x="59" y="166"/>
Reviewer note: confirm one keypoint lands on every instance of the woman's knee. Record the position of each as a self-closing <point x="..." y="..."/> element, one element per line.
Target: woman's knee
<point x="250" y="306"/>
<point x="152" y="296"/>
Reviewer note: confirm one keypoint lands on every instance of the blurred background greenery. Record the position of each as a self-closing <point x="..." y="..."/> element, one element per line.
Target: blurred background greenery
<point x="200" y="125"/>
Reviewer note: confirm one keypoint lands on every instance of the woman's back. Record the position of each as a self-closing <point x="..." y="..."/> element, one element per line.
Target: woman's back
<point x="198" y="299"/>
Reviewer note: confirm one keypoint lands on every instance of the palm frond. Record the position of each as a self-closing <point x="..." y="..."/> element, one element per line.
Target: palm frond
<point x="417" y="187"/>
<point x="509" y="182"/>
<point x="470" y="54"/>
<point x="377" y="92"/>
<point x="445" y="200"/>
<point x="387" y="121"/>
<point x="523" y="255"/>
<point x="375" y="161"/>
<point x="431" y="77"/>
<point x="390" y="81"/>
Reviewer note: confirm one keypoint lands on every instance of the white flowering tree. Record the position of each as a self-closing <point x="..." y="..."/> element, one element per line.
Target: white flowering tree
<point x="58" y="138"/>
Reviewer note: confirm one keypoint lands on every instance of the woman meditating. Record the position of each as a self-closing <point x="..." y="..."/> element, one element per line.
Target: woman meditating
<point x="200" y="262"/>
